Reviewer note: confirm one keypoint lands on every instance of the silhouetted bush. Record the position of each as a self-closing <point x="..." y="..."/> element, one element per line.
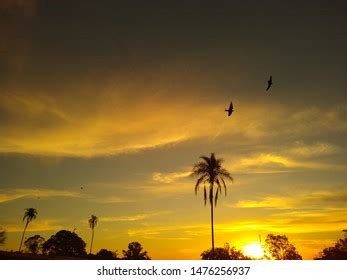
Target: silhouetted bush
<point x="135" y="252"/>
<point x="338" y="252"/>
<point x="34" y="244"/>
<point x="279" y="248"/>
<point x="65" y="243"/>
<point x="105" y="254"/>
<point x="225" y="253"/>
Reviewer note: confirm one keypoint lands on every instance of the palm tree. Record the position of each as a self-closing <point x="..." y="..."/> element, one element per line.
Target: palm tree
<point x="29" y="215"/>
<point x="210" y="171"/>
<point x="92" y="224"/>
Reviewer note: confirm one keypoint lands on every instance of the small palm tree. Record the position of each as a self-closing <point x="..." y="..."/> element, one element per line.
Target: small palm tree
<point x="210" y="171"/>
<point x="92" y="224"/>
<point x="29" y="215"/>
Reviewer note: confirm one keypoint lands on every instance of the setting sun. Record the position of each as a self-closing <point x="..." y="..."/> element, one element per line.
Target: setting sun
<point x="253" y="250"/>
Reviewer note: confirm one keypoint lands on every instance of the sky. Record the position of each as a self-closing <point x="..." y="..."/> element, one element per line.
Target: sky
<point x="105" y="106"/>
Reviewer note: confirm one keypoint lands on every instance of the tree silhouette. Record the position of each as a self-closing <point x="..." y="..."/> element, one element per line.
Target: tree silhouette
<point x="135" y="252"/>
<point x="92" y="224"/>
<point x="225" y="253"/>
<point x="29" y="215"/>
<point x="105" y="254"/>
<point x="34" y="244"/>
<point x="65" y="243"/>
<point x="2" y="237"/>
<point x="210" y="171"/>
<point x="337" y="252"/>
<point x="279" y="248"/>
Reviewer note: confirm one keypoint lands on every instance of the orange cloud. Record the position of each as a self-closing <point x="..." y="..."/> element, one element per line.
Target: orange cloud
<point x="169" y="177"/>
<point x="9" y="195"/>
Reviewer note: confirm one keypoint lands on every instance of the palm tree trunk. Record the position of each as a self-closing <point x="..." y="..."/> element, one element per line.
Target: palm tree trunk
<point x="25" y="228"/>
<point x="212" y="227"/>
<point x="91" y="243"/>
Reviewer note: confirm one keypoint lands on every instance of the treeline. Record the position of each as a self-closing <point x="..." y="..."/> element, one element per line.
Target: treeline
<point x="277" y="247"/>
<point x="68" y="244"/>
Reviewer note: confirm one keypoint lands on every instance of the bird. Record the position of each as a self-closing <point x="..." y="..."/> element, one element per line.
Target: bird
<point x="269" y="83"/>
<point x="230" y="110"/>
<point x="81" y="188"/>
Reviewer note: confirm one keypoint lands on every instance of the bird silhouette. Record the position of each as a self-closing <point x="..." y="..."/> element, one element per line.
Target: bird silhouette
<point x="81" y="188"/>
<point x="269" y="83"/>
<point x="230" y="110"/>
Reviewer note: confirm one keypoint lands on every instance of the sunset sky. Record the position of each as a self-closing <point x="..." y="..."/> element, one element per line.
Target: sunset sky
<point x="122" y="97"/>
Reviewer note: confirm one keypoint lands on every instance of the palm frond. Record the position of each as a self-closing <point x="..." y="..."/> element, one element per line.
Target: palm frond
<point x="216" y="198"/>
<point x="219" y="185"/>
<point x="225" y="186"/>
<point x="198" y="182"/>
<point x="211" y="195"/>
<point x="206" y="159"/>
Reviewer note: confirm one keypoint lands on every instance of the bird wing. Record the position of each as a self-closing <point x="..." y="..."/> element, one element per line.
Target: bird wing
<point x="231" y="108"/>
<point x="268" y="86"/>
<point x="270" y="80"/>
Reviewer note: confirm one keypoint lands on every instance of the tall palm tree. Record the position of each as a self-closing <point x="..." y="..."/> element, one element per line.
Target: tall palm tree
<point x="210" y="171"/>
<point x="92" y="224"/>
<point x="29" y="215"/>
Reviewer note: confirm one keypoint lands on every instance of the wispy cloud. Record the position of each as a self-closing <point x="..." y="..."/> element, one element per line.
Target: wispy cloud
<point x="36" y="226"/>
<point x="13" y="194"/>
<point x="111" y="199"/>
<point x="270" y="162"/>
<point x="132" y="218"/>
<point x="169" y="177"/>
<point x="314" y="199"/>
<point x="314" y="150"/>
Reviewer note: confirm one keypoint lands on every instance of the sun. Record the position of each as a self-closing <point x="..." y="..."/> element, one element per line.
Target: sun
<point x="253" y="250"/>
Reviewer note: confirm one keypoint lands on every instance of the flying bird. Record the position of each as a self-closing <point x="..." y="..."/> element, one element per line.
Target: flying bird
<point x="230" y="110"/>
<point x="81" y="188"/>
<point x="269" y="83"/>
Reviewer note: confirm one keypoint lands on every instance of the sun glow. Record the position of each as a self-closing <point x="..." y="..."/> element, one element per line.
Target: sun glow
<point x="253" y="250"/>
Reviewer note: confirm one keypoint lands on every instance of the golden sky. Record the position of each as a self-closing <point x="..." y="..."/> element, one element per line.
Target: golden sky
<point x="122" y="100"/>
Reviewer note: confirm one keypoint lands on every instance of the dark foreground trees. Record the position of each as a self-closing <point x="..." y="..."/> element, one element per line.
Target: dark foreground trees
<point x="135" y="252"/>
<point x="65" y="243"/>
<point x="105" y="254"/>
<point x="337" y="252"/>
<point x="225" y="253"/>
<point x="279" y="248"/>
<point x="34" y="244"/>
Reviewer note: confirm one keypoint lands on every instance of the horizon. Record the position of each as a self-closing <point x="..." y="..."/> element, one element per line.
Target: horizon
<point x="105" y="108"/>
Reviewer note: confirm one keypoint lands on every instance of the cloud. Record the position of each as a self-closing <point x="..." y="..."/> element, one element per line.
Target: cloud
<point x="137" y="217"/>
<point x="186" y="230"/>
<point x="314" y="150"/>
<point x="168" y="189"/>
<point x="270" y="162"/>
<point x="10" y="195"/>
<point x="111" y="123"/>
<point x="37" y="225"/>
<point x="312" y="200"/>
<point x="105" y="132"/>
<point x="169" y="177"/>
<point x="111" y="199"/>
